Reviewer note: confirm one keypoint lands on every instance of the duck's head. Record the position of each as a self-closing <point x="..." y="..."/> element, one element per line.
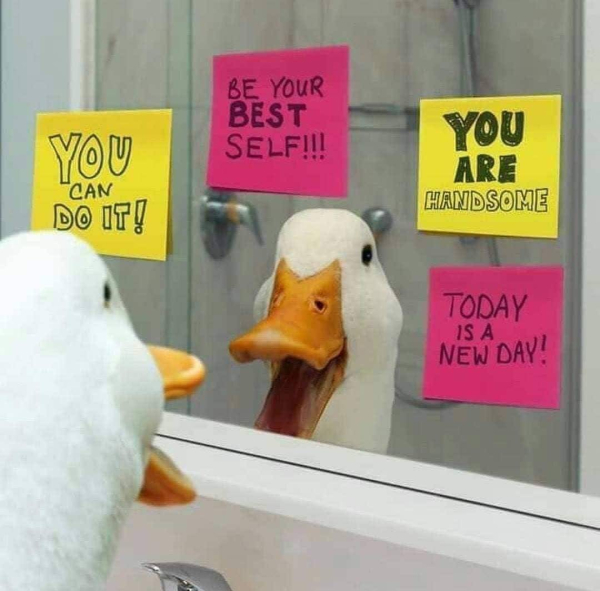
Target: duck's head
<point x="62" y="309"/>
<point x="327" y="313"/>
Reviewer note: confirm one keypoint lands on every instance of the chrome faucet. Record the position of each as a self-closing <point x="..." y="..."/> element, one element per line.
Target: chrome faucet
<point x="220" y="215"/>
<point x="178" y="576"/>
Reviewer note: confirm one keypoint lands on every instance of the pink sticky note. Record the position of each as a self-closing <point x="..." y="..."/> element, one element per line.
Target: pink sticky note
<point x="494" y="335"/>
<point x="280" y="122"/>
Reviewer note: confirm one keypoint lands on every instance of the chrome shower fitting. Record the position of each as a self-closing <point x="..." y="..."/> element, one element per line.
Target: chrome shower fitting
<point x="220" y="215"/>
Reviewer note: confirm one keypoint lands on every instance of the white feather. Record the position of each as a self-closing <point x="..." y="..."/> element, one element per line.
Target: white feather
<point x="80" y="399"/>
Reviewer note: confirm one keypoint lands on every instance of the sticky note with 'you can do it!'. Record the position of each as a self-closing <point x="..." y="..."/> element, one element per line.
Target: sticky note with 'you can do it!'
<point x="494" y="335"/>
<point x="105" y="176"/>
<point x="280" y="122"/>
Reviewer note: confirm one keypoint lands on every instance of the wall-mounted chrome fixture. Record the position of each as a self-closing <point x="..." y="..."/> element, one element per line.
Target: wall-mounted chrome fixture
<point x="378" y="219"/>
<point x="220" y="215"/>
<point x="178" y="576"/>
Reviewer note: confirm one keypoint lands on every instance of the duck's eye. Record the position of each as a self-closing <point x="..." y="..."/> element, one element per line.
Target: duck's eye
<point x="107" y="294"/>
<point x="367" y="254"/>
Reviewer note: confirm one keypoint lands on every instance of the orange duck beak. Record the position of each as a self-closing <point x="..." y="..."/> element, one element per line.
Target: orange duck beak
<point x="164" y="484"/>
<point x="303" y="339"/>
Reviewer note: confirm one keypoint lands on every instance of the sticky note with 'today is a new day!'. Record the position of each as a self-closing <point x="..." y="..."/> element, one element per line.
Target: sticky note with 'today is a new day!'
<point x="490" y="166"/>
<point x="280" y="122"/>
<point x="494" y="335"/>
<point x="105" y="176"/>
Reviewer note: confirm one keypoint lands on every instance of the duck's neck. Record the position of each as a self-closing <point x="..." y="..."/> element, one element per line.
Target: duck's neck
<point x="61" y="510"/>
<point x="359" y="414"/>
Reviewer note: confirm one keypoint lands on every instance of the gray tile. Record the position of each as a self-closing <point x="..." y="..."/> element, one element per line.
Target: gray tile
<point x="227" y="26"/>
<point x="132" y="54"/>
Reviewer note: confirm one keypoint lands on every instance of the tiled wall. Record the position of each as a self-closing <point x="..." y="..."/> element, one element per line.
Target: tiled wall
<point x="401" y="51"/>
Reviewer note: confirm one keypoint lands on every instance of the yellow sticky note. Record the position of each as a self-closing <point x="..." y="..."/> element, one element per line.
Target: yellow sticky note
<point x="490" y="166"/>
<point x="105" y="176"/>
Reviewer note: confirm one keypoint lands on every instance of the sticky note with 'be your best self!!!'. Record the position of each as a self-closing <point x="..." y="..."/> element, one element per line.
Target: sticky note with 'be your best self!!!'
<point x="280" y="122"/>
<point x="105" y="176"/>
<point x="490" y="166"/>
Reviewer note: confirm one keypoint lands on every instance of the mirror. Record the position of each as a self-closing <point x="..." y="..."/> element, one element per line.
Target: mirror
<point x="156" y="54"/>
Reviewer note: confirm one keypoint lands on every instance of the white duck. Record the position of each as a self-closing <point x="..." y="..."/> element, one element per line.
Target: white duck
<point x="329" y="323"/>
<point x="80" y="400"/>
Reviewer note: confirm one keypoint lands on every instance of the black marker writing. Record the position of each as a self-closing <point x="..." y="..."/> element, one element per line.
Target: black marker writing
<point x="482" y="306"/>
<point x="86" y="157"/>
<point x="478" y="316"/>
<point x="258" y="108"/>
<point x="486" y="130"/>
<point x="91" y="155"/>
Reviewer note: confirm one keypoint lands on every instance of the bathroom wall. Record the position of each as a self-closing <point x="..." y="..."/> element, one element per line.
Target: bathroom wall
<point x="401" y="50"/>
<point x="259" y="551"/>
<point x="35" y="77"/>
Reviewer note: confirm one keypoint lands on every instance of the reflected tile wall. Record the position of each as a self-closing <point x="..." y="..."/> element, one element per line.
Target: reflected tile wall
<point x="131" y="73"/>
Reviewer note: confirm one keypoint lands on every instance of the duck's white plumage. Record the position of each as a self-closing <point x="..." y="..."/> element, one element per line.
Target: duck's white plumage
<point x="359" y="412"/>
<point x="80" y="399"/>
